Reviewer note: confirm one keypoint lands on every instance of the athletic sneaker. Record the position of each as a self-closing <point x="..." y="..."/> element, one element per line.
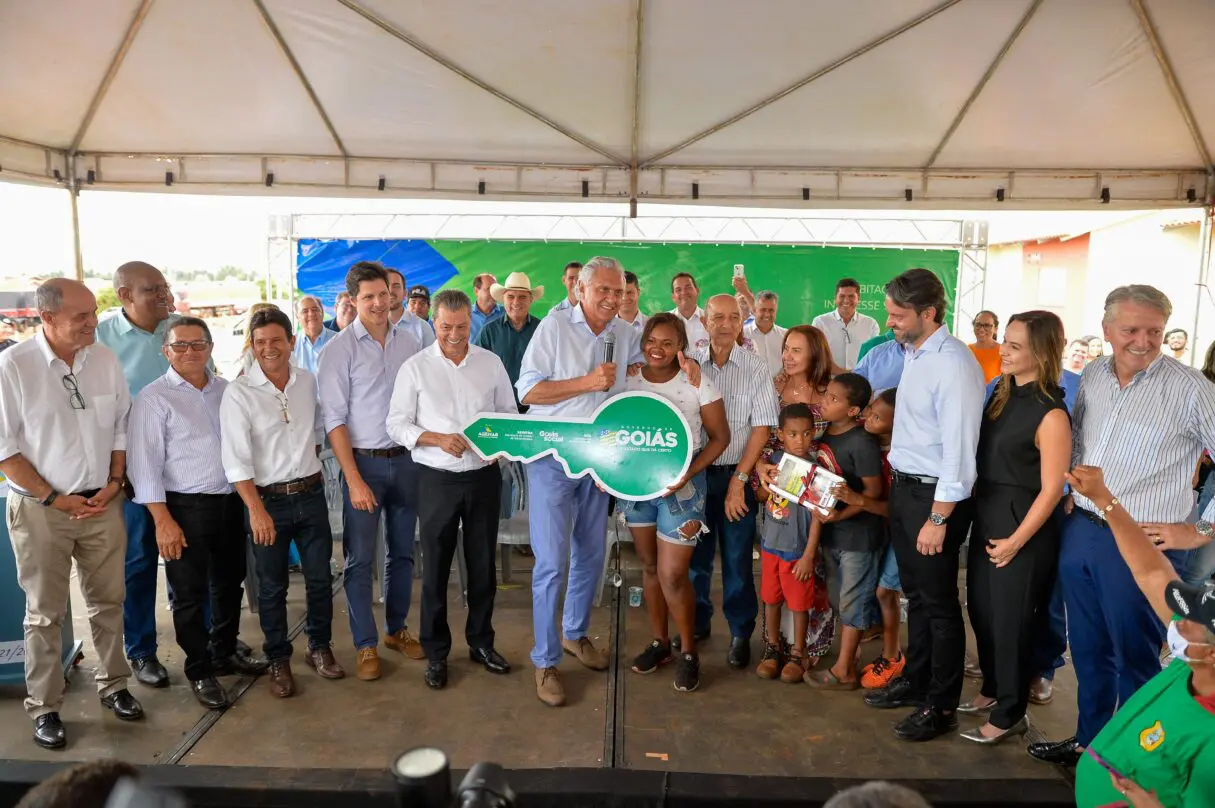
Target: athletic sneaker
<point x="882" y="671"/>
<point x="657" y="653"/>
<point x="687" y="673"/>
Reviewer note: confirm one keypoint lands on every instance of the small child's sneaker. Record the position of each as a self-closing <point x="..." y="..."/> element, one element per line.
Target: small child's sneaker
<point x="769" y="665"/>
<point x="882" y="671"/>
<point x="687" y="673"/>
<point x="656" y="653"/>
<point x="793" y="671"/>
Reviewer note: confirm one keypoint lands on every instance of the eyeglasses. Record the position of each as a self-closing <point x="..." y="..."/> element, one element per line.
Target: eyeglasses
<point x="985" y="325"/>
<point x="284" y="405"/>
<point x="197" y="346"/>
<point x="69" y="384"/>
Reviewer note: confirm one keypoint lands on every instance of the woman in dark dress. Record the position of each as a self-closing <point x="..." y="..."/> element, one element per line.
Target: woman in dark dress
<point x="1025" y="447"/>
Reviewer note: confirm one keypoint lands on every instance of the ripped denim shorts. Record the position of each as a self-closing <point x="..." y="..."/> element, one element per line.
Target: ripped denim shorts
<point x="671" y="512"/>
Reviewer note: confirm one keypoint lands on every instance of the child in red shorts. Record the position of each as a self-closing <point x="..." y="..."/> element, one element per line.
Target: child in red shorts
<point x="787" y="569"/>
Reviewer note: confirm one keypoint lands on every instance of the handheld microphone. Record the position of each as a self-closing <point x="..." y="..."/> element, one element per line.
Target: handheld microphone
<point x="609" y="347"/>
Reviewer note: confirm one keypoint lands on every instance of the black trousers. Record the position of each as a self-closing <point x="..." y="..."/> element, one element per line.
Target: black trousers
<point x="447" y="500"/>
<point x="1004" y="603"/>
<point x="936" y="633"/>
<point x="211" y="570"/>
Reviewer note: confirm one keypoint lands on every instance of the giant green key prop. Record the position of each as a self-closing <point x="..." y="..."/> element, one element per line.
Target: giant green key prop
<point x="635" y="445"/>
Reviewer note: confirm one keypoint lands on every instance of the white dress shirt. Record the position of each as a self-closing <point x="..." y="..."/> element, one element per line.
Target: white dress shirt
<point x="416" y="326"/>
<point x="174" y="442"/>
<point x="564" y="347"/>
<point x="70" y="448"/>
<point x="846" y="339"/>
<point x="258" y="444"/>
<point x="698" y="336"/>
<point x="767" y="346"/>
<point x="434" y="394"/>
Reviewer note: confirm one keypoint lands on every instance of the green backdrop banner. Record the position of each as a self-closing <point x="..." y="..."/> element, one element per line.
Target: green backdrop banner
<point x="803" y="276"/>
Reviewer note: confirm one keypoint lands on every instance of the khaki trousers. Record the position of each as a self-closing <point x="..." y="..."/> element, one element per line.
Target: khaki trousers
<point x="44" y="542"/>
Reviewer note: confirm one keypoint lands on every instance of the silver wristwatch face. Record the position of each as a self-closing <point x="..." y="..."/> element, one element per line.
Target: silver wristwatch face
<point x="936" y="519"/>
<point x="1204" y="527"/>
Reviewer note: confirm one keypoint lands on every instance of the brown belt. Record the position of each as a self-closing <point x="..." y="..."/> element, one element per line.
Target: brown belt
<point x="293" y="486"/>
<point x="395" y="451"/>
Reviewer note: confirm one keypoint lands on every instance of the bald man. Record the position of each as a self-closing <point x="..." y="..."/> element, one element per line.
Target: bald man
<point x="136" y="335"/>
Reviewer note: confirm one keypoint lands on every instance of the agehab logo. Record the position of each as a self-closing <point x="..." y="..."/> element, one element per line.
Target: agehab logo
<point x="486" y="432"/>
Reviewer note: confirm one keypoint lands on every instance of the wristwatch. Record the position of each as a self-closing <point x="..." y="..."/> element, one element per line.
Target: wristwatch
<point x="742" y="477"/>
<point x="51" y="497"/>
<point x="937" y="519"/>
<point x="1204" y="528"/>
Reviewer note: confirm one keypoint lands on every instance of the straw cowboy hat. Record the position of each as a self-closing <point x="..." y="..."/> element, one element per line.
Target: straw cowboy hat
<point x="515" y="282"/>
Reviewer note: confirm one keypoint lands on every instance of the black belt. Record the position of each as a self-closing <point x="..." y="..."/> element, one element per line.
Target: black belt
<point x="293" y="486"/>
<point x="912" y="479"/>
<point x="1090" y="516"/>
<point x="179" y="494"/>
<point x="395" y="451"/>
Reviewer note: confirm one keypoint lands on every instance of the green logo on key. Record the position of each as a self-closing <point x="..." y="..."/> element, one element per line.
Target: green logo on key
<point x="636" y="445"/>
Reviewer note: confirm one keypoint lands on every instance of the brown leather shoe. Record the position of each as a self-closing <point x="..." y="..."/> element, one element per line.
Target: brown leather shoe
<point x="321" y="660"/>
<point x="548" y="687"/>
<point x="368" y="666"/>
<point x="583" y="650"/>
<point x="769" y="666"/>
<point x="405" y="642"/>
<point x="1041" y="690"/>
<point x="793" y="671"/>
<point x="282" y="683"/>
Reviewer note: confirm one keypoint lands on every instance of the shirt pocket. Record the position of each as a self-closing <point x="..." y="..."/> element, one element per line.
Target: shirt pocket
<point x="105" y="409"/>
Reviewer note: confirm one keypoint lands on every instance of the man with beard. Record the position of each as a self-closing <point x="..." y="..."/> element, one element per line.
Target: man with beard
<point x="439" y="392"/>
<point x="932" y="460"/>
<point x="564" y="375"/>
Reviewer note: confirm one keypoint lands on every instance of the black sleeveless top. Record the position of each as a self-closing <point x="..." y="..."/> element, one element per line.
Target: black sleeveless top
<point x="1007" y="454"/>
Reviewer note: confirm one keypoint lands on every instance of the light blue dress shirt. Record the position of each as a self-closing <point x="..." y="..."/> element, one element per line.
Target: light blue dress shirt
<point x="564" y="305"/>
<point x="138" y="351"/>
<point x="480" y="318"/>
<point x="564" y="347"/>
<point x="308" y="353"/>
<point x="420" y="328"/>
<point x="174" y="440"/>
<point x="940" y="409"/>
<point x="882" y="366"/>
<point x="355" y="369"/>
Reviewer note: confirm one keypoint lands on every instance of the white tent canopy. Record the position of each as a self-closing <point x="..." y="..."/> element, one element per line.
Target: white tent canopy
<point x="790" y="103"/>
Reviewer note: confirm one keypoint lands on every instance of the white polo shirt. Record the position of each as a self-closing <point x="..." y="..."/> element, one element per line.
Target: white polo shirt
<point x="767" y="346"/>
<point x="698" y="336"/>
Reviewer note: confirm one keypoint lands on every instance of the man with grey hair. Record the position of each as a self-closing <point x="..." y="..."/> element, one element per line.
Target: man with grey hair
<point x="1144" y="419"/>
<point x="567" y="373"/>
<point x="63" y="439"/>
<point x="310" y="319"/>
<point x="438" y="392"/>
<point x="766" y="337"/>
<point x="877" y="794"/>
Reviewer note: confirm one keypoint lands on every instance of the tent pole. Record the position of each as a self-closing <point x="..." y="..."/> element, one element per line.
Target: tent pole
<point x="73" y="190"/>
<point x="1204" y="274"/>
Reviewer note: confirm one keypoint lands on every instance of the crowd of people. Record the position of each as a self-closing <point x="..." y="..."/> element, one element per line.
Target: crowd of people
<point x="123" y="445"/>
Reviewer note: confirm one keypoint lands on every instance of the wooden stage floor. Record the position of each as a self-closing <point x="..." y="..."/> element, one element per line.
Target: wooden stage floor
<point x="735" y="724"/>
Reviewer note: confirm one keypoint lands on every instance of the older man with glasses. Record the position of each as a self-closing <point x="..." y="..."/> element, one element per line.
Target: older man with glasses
<point x="63" y="439"/>
<point x="177" y="473"/>
<point x="313" y="337"/>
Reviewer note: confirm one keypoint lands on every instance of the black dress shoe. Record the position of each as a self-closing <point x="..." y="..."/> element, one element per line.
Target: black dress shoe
<point x="123" y="705"/>
<point x="239" y="665"/>
<point x="49" y="732"/>
<point x="925" y="724"/>
<point x="243" y="649"/>
<point x="1061" y="753"/>
<point x="436" y="674"/>
<point x="739" y="655"/>
<point x="149" y="671"/>
<point x="491" y="659"/>
<point x="209" y="693"/>
<point x="899" y="693"/>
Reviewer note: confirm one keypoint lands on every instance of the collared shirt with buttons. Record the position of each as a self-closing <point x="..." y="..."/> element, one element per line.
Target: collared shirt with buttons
<point x="69" y="447"/>
<point x="480" y="319"/>
<point x="509" y="343"/>
<point x="564" y="347"/>
<point x="882" y="366"/>
<point x="767" y="346"/>
<point x="846" y="339"/>
<point x="564" y="305"/>
<point x="698" y="336"/>
<point x="637" y="322"/>
<point x="940" y="409"/>
<point x="270" y="435"/>
<point x="307" y="354"/>
<point x="137" y="350"/>
<point x="434" y="394"/>
<point x="1146" y="437"/>
<point x="748" y="392"/>
<point x="416" y="326"/>
<point x="174" y="439"/>
<point x="355" y="368"/>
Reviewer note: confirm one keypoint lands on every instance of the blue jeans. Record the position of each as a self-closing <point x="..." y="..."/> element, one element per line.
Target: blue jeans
<point x="1114" y="634"/>
<point x="852" y="579"/>
<point x="394" y="482"/>
<point x="142" y="567"/>
<point x="1200" y="563"/>
<point x="567" y="520"/>
<point x="305" y="517"/>
<point x="737" y="539"/>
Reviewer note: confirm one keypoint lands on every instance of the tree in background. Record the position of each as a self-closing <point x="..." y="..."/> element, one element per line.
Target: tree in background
<point x="107" y="299"/>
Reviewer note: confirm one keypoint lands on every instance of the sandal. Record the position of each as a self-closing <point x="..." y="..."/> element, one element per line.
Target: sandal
<point x="826" y="680"/>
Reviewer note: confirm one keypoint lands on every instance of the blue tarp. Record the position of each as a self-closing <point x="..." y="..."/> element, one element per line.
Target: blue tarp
<point x="322" y="264"/>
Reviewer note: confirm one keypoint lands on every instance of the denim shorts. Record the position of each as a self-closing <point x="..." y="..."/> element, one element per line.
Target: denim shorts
<point x="888" y="571"/>
<point x="671" y="512"/>
<point x="852" y="578"/>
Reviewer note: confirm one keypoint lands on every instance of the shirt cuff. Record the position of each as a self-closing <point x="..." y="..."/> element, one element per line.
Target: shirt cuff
<point x="526" y="383"/>
<point x="950" y="492"/>
<point x="410" y="434"/>
<point x="238" y="474"/>
<point x="146" y="494"/>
